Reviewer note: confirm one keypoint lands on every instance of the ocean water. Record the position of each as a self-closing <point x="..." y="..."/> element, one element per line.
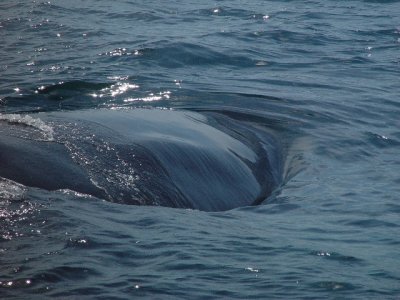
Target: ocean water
<point x="321" y="76"/>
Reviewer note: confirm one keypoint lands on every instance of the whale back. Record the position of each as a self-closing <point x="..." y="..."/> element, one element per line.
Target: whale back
<point x="145" y="157"/>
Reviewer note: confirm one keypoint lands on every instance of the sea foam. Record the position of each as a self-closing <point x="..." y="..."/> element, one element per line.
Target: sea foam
<point x="28" y="127"/>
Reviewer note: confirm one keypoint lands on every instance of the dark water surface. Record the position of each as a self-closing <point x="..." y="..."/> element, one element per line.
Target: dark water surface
<point x="322" y="77"/>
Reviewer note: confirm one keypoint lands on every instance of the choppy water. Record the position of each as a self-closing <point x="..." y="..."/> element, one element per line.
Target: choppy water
<point x="322" y="75"/>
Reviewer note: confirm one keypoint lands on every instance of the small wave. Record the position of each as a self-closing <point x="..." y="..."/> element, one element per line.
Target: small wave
<point x="65" y="90"/>
<point x="333" y="285"/>
<point x="226" y="11"/>
<point x="151" y="97"/>
<point x="116" y="89"/>
<point x="178" y="55"/>
<point x="146" y="16"/>
<point x="381" y="141"/>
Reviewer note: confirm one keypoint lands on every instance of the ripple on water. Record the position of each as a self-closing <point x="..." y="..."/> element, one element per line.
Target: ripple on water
<point x="325" y="71"/>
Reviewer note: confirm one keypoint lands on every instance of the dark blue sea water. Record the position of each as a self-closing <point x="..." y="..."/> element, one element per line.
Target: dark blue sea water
<point x="321" y="76"/>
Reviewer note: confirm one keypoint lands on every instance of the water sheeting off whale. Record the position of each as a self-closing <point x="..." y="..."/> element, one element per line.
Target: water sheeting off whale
<point x="143" y="156"/>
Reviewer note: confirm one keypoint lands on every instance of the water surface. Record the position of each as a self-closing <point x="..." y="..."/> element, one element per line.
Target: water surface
<point x="321" y="75"/>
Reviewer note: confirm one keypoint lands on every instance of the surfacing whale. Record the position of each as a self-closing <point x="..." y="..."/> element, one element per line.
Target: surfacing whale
<point x="159" y="157"/>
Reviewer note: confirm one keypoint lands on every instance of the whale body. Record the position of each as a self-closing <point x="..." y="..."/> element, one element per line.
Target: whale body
<point x="173" y="158"/>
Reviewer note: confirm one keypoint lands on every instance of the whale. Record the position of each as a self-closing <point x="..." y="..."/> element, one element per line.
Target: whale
<point x="206" y="161"/>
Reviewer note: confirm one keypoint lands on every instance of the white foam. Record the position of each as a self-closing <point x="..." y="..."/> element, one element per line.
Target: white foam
<point x="35" y="123"/>
<point x="10" y="190"/>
